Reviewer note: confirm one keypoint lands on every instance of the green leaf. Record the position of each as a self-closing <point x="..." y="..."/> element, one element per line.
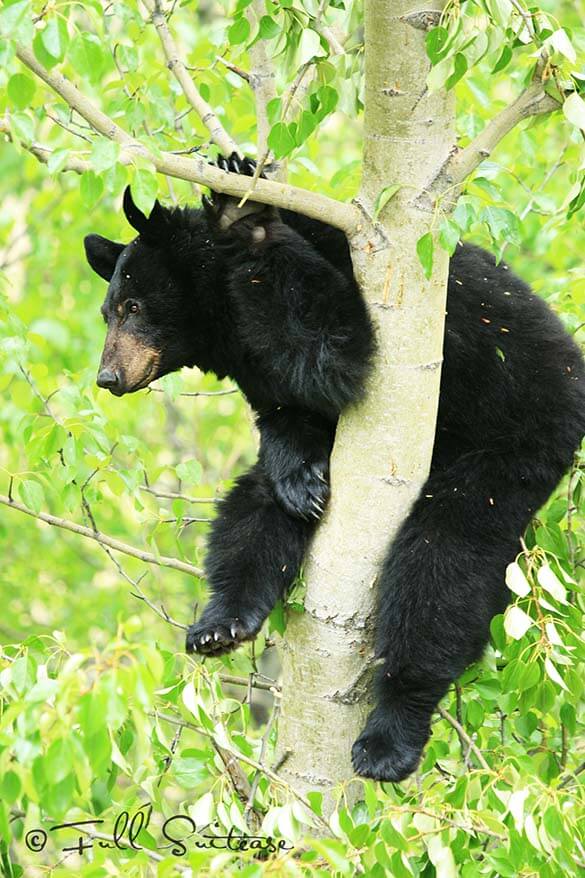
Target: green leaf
<point x="560" y="42"/>
<point x="574" y="110"/>
<point x="128" y="57"/>
<point x="10" y="787"/>
<point x="424" y="250"/>
<point x="460" y="69"/>
<point x="189" y="771"/>
<point x="502" y="223"/>
<point x="273" y="109"/>
<point x="309" y="46"/>
<point x="144" y="189"/>
<point x="441" y="857"/>
<point x="239" y="31"/>
<point x="516" y="622"/>
<point x="16" y="22"/>
<point x="189" y="471"/>
<point x="104" y="155"/>
<point x="551" y="583"/>
<point x="554" y="675"/>
<point x="384" y="197"/>
<point x="578" y="200"/>
<point x="57" y="160"/>
<point x="306" y="125"/>
<point x="20" y="90"/>
<point x="87" y="57"/>
<point x="280" y="140"/>
<point x="276" y="619"/>
<point x="436" y="41"/>
<point x="529" y="676"/>
<point x="328" y="98"/>
<point x="57" y="762"/>
<point x="503" y="60"/>
<point x="23" y="127"/>
<point x="516" y="580"/>
<point x="269" y="28"/>
<point x="439" y="74"/>
<point x="449" y="235"/>
<point x="55" y="38"/>
<point x="41" y="54"/>
<point x="32" y="495"/>
<point x="90" y="188"/>
<point x="464" y="215"/>
<point x="474" y="714"/>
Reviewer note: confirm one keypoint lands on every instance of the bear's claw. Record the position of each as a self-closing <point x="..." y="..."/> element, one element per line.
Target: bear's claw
<point x="304" y="491"/>
<point x="217" y="638"/>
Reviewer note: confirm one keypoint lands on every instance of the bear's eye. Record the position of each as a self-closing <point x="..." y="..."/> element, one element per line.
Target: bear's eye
<point x="133" y="307"/>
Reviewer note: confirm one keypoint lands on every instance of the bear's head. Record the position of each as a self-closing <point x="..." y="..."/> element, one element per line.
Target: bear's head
<point x="159" y="307"/>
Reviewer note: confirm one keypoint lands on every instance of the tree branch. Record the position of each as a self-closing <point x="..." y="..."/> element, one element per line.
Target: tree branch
<point x="172" y="495"/>
<point x="533" y="101"/>
<point x="198" y="392"/>
<point x="103" y="539"/>
<point x="194" y="169"/>
<point x="251" y="681"/>
<point x="177" y="67"/>
<point x="466" y="741"/>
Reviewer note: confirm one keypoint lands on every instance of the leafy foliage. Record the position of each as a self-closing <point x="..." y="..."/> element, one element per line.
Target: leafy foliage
<point x="101" y="713"/>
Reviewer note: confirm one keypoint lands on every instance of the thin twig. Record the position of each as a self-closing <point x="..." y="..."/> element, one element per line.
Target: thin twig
<point x="236" y="774"/>
<point x="198" y="392"/>
<point x="172" y="495"/>
<point x="464" y="738"/>
<point x="525" y="15"/>
<point x="185" y="520"/>
<point x="177" y="67"/>
<point x="169" y="758"/>
<point x="104" y="540"/>
<point x="67" y="128"/>
<point x="47" y="409"/>
<point x="239" y="71"/>
<point x="251" y="681"/>
<point x="269" y="726"/>
<point x="571" y="776"/>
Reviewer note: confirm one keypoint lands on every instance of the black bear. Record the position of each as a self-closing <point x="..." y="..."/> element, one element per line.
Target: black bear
<point x="268" y="297"/>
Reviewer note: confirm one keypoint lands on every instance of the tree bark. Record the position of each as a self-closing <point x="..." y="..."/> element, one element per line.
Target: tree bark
<point x="383" y="446"/>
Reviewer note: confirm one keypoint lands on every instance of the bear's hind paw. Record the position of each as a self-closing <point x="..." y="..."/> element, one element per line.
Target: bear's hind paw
<point x="377" y="757"/>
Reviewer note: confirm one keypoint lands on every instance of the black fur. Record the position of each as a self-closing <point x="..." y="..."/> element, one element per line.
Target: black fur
<point x="270" y="300"/>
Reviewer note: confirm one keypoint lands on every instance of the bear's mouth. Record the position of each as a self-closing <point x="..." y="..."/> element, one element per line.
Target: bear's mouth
<point x="149" y="376"/>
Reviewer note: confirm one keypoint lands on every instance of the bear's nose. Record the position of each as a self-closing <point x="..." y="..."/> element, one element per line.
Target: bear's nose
<point x="108" y="379"/>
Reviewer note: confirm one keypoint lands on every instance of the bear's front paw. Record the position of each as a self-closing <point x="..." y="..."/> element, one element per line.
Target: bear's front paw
<point x="224" y="210"/>
<point x="218" y="636"/>
<point x="376" y="756"/>
<point x="304" y="491"/>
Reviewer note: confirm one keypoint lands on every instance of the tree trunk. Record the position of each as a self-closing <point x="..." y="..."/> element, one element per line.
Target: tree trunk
<point x="383" y="447"/>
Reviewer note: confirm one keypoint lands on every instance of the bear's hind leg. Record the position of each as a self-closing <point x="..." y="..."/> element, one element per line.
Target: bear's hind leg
<point x="442" y="582"/>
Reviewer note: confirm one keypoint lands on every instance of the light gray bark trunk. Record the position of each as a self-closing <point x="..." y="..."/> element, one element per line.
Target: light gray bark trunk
<point x="383" y="447"/>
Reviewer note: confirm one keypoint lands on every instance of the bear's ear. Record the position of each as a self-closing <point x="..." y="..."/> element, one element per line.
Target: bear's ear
<point x="154" y="228"/>
<point x="102" y="254"/>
